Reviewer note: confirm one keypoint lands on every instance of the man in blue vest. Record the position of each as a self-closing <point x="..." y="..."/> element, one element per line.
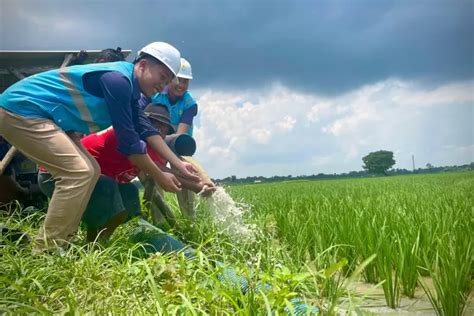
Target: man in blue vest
<point x="19" y="180"/>
<point x="183" y="108"/>
<point x="39" y="112"/>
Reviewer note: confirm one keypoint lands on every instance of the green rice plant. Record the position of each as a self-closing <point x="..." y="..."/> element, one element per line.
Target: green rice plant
<point x="367" y="243"/>
<point x="409" y="253"/>
<point x="314" y="236"/>
<point x="451" y="273"/>
<point x="415" y="211"/>
<point x="388" y="269"/>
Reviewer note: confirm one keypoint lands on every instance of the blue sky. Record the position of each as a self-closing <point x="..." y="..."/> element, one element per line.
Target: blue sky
<point x="293" y="87"/>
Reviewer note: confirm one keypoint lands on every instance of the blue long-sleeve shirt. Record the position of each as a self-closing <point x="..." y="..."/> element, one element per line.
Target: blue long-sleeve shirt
<point x="131" y="125"/>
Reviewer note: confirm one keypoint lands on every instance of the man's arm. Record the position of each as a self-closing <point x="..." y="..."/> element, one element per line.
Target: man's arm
<point x="159" y="146"/>
<point x="117" y="93"/>
<point x="186" y="120"/>
<point x="208" y="186"/>
<point x="198" y="187"/>
<point x="145" y="164"/>
<point x="152" y="136"/>
<point x="183" y="128"/>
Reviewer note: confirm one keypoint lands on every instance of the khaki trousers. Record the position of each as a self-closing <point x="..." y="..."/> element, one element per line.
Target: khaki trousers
<point x="74" y="169"/>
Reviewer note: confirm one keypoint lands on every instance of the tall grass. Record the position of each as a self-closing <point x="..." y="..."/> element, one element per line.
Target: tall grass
<point x="415" y="225"/>
<point x="117" y="278"/>
<point x="315" y="235"/>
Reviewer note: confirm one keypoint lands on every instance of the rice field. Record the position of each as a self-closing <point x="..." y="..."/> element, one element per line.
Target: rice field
<point x="313" y="240"/>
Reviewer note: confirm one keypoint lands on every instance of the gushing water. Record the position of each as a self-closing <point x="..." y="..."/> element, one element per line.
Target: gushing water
<point x="228" y="216"/>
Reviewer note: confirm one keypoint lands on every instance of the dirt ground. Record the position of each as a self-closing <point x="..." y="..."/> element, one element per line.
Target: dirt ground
<point x="370" y="299"/>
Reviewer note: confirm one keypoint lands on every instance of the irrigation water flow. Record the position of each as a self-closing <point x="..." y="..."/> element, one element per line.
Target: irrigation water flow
<point x="228" y="215"/>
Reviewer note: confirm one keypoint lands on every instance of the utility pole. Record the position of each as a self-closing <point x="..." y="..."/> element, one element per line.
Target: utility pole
<point x="413" y="162"/>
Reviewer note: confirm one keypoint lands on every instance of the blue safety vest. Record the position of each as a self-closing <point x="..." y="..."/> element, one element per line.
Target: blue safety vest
<point x="59" y="95"/>
<point x="176" y="110"/>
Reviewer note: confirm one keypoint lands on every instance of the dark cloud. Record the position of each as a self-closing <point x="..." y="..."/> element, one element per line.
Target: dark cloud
<point x="320" y="46"/>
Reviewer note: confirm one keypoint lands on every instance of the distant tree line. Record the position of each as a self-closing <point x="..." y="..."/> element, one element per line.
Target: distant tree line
<point x="352" y="174"/>
<point x="375" y="163"/>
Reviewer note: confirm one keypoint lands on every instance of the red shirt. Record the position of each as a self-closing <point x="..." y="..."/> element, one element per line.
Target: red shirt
<point x="103" y="147"/>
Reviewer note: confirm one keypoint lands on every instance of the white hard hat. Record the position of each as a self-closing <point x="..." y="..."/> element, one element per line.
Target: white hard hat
<point x="165" y="53"/>
<point x="185" y="72"/>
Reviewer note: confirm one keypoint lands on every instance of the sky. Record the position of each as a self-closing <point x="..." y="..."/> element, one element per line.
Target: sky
<point x="292" y="87"/>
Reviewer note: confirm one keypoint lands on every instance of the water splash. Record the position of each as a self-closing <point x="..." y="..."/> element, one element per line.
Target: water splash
<point x="228" y="216"/>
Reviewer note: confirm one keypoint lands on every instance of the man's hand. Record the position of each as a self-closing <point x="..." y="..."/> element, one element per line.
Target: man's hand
<point x="190" y="167"/>
<point x="165" y="180"/>
<point x="188" y="171"/>
<point x="168" y="182"/>
<point x="207" y="189"/>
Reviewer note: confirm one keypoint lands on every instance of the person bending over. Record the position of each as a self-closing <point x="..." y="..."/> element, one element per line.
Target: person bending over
<point x="115" y="198"/>
<point x="183" y="108"/>
<point x="38" y="111"/>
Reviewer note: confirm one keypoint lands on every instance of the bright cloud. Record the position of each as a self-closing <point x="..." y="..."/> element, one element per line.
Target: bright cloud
<point x="287" y="123"/>
<point x="281" y="131"/>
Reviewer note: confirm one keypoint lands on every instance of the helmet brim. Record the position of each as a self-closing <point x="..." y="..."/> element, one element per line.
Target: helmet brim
<point x="184" y="77"/>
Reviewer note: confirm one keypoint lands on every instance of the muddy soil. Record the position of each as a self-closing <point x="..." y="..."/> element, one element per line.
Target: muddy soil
<point x="367" y="298"/>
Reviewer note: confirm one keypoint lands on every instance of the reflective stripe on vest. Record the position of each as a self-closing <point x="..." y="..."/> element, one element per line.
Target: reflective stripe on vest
<point x="78" y="100"/>
<point x="59" y="95"/>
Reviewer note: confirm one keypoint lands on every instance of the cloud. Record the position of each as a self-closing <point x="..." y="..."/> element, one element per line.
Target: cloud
<point x="320" y="109"/>
<point x="282" y="131"/>
<point x="298" y="87"/>
<point x="287" y="123"/>
<point x="374" y="103"/>
<point x="326" y="47"/>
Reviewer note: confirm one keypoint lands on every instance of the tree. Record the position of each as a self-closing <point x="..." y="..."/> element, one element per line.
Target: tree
<point x="378" y="162"/>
